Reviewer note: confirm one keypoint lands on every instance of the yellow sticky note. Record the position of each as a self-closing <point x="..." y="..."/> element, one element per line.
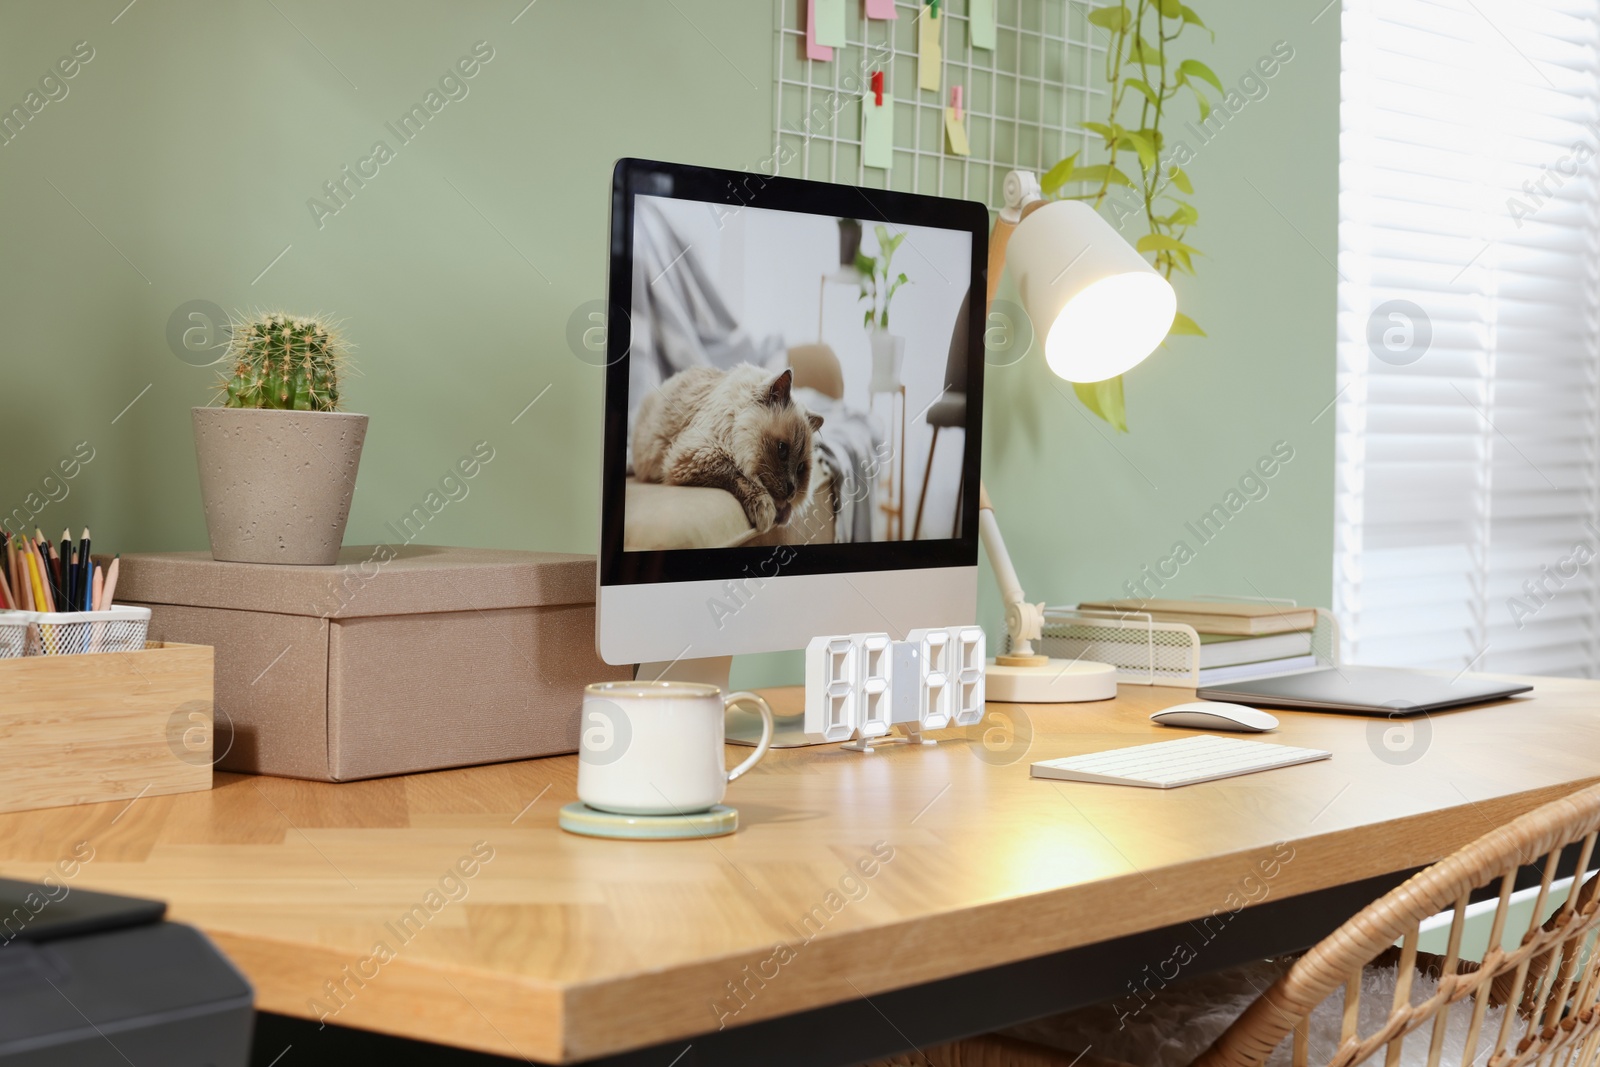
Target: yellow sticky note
<point x="830" y="22"/>
<point x="877" y="131"/>
<point x="929" y="59"/>
<point x="956" y="130"/>
<point x="980" y="23"/>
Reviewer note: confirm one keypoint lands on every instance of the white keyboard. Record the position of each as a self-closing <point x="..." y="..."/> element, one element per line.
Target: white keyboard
<point x="1168" y="764"/>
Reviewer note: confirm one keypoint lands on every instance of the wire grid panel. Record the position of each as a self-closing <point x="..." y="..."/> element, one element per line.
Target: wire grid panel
<point x="1024" y="101"/>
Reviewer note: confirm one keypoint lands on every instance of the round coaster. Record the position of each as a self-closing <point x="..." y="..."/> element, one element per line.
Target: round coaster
<point x="580" y="818"/>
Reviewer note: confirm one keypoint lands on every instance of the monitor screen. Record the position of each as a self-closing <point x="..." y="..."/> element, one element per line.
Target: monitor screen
<point x="789" y="382"/>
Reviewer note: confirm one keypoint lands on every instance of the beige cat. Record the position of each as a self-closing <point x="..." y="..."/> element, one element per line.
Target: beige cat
<point x="739" y="430"/>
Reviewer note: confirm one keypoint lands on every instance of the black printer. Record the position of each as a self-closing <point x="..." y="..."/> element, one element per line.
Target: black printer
<point x="94" y="980"/>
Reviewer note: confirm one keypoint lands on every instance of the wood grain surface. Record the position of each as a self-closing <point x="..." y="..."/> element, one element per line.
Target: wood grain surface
<point x="449" y="907"/>
<point x="115" y="726"/>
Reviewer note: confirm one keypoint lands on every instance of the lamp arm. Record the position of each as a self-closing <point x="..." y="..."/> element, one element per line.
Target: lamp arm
<point x="1024" y="621"/>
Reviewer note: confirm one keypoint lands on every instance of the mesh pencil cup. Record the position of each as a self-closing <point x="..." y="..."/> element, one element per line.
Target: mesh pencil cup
<point x="66" y="633"/>
<point x="14" y="627"/>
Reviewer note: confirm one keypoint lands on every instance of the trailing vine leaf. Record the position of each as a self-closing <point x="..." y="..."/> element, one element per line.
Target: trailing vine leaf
<point x="1193" y="68"/>
<point x="1182" y="215"/>
<point x="1142" y="146"/>
<point x="1102" y="172"/>
<point x="1144" y="88"/>
<point x="1141" y="55"/>
<point x="1115" y="19"/>
<point x="1058" y="175"/>
<point x="1105" y="400"/>
<point x="1183" y="324"/>
<point x="1160" y="242"/>
<point x="1109" y="132"/>
<point x="1189" y="17"/>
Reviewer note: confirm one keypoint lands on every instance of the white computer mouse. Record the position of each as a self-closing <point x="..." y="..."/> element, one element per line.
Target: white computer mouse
<point x="1215" y="715"/>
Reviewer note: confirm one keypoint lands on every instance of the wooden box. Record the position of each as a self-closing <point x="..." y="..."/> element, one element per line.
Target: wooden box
<point x="397" y="659"/>
<point x="111" y="726"/>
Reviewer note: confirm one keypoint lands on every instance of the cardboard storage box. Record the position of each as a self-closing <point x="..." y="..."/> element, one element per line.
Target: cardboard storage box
<point x="393" y="661"/>
<point x="89" y="728"/>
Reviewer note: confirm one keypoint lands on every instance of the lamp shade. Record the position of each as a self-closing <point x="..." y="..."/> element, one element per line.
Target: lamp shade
<point x="1100" y="307"/>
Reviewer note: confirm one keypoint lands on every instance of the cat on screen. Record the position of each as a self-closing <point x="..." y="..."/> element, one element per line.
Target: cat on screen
<point x="740" y="429"/>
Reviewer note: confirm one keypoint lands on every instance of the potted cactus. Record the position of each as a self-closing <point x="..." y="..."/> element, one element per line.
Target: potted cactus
<point x="278" y="459"/>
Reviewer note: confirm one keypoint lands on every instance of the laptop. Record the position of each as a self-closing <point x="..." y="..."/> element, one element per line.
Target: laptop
<point x="1388" y="691"/>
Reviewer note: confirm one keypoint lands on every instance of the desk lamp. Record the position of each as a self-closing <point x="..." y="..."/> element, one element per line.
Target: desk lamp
<point x="1101" y="309"/>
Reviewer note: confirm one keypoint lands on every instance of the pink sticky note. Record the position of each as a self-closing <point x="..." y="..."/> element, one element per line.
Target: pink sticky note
<point x="881" y="9"/>
<point x="813" y="49"/>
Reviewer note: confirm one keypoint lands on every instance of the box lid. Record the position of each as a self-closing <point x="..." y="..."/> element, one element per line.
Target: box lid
<point x="368" y="580"/>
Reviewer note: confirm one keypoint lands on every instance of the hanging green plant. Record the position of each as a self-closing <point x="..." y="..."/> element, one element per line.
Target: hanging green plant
<point x="1144" y="75"/>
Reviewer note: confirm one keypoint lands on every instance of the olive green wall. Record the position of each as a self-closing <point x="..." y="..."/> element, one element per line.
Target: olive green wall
<point x="1086" y="509"/>
<point x="178" y="165"/>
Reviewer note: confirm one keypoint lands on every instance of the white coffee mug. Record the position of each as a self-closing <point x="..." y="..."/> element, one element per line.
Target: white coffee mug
<point x="655" y="748"/>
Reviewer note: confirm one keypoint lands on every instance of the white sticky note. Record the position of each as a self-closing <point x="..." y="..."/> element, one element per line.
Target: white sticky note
<point x="877" y="131"/>
<point x="830" y="23"/>
<point x="956" y="132"/>
<point x="980" y="23"/>
<point x="929" y="59"/>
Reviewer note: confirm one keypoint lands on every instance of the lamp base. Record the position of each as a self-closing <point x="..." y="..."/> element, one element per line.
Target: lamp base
<point x="1059" y="681"/>
<point x="1022" y="661"/>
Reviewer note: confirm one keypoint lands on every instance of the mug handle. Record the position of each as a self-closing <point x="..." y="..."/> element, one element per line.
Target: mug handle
<point x="766" y="729"/>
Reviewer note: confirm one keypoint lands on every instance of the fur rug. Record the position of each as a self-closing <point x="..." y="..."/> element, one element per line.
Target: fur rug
<point x="1182" y="1020"/>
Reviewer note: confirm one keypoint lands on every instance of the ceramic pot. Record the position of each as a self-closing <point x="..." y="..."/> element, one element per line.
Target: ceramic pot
<point x="888" y="360"/>
<point x="277" y="484"/>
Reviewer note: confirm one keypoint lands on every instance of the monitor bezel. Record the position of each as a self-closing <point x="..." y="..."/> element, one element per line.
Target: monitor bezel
<point x="737" y="190"/>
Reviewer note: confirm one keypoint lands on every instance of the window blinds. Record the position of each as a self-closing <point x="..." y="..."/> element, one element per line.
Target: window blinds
<point x="1468" y="412"/>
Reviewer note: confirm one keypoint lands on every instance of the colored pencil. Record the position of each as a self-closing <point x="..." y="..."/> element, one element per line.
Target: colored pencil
<point x="52" y="563"/>
<point x="69" y="562"/>
<point x="45" y="568"/>
<point x="41" y="546"/>
<point x="19" y="569"/>
<point x="82" y="599"/>
<point x="111" y="582"/>
<point x="68" y="572"/>
<point x="11" y="569"/>
<point x="40" y="600"/>
<point x="5" y="586"/>
<point x="36" y="576"/>
<point x="97" y="589"/>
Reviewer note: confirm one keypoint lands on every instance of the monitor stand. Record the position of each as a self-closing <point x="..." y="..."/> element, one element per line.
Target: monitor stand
<point x="741" y="727"/>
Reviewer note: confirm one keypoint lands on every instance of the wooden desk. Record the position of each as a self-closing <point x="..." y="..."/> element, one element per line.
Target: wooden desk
<point x="905" y="867"/>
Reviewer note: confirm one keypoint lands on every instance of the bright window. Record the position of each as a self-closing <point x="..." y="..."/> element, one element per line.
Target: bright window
<point x="1468" y="411"/>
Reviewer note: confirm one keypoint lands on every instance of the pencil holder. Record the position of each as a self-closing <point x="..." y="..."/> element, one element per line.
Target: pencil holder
<point x="14" y="632"/>
<point x="68" y="633"/>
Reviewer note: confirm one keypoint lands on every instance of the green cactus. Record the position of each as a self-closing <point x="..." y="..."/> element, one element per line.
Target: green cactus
<point x="287" y="362"/>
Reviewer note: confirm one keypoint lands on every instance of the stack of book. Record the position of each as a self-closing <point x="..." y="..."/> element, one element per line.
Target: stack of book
<point x="1237" y="640"/>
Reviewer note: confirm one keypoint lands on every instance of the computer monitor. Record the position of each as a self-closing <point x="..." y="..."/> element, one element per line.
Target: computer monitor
<point x="781" y="459"/>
